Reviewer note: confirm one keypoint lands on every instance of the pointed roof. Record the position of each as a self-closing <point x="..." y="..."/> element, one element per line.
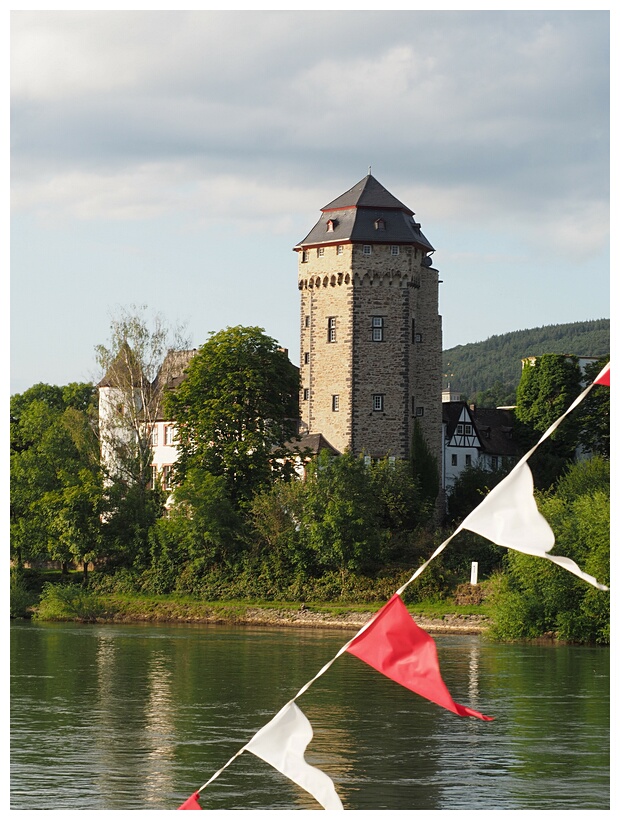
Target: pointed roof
<point x="367" y="212"/>
<point x="368" y="193"/>
<point x="124" y="370"/>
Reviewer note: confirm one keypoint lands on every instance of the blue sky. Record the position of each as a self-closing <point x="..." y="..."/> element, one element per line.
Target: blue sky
<point x="173" y="159"/>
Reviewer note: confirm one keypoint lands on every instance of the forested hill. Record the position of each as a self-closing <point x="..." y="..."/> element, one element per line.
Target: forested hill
<point x="478" y="366"/>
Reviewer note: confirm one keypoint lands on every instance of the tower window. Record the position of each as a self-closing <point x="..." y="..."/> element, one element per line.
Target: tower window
<point x="306" y="358"/>
<point x="419" y="411"/>
<point x="339" y="249"/>
<point x="307" y="321"/>
<point x="394" y="250"/>
<point x="417" y="338"/>
<point x="377" y="402"/>
<point x="335" y="403"/>
<point x="366" y="250"/>
<point x="306" y="393"/>
<point x="304" y="256"/>
<point x="331" y="329"/>
<point x="320" y="251"/>
<point x="377" y="328"/>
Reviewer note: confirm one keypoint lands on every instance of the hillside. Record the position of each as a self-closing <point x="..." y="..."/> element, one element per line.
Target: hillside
<point x="476" y="367"/>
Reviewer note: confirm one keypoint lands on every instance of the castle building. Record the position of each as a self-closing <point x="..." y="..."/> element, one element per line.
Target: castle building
<point x="371" y="335"/>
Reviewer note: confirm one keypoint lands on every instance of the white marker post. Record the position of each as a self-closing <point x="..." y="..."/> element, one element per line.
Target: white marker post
<point x="474" y="573"/>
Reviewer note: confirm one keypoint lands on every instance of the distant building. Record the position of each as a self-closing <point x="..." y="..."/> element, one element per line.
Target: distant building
<point x="369" y="326"/>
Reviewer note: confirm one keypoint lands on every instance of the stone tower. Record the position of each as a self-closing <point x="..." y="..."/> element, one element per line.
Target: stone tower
<point x="370" y="327"/>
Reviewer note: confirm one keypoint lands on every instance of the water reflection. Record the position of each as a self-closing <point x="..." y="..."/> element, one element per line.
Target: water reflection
<point x="138" y="717"/>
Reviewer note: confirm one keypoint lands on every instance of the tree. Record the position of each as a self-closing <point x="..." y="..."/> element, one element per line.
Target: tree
<point x="549" y="384"/>
<point x="56" y="488"/>
<point x="235" y="410"/>
<point x="593" y="413"/>
<point x="424" y="465"/>
<point x="130" y="400"/>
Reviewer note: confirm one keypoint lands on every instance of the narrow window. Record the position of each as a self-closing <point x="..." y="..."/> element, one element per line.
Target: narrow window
<point x="306" y="358"/>
<point x="306" y="393"/>
<point x="154" y="437"/>
<point x="413" y="404"/>
<point x="166" y="481"/>
<point x="367" y="250"/>
<point x="392" y="461"/>
<point x="412" y="331"/>
<point x="335" y="403"/>
<point x="168" y="434"/>
<point x="153" y="475"/>
<point x="320" y="251"/>
<point x="367" y="461"/>
<point x="394" y="250"/>
<point x="331" y="329"/>
<point x="339" y="249"/>
<point x="419" y="411"/>
<point x="459" y="429"/>
<point x="417" y="338"/>
<point x="468" y="429"/>
<point x="455" y="460"/>
<point x="304" y="256"/>
<point x="307" y="321"/>
<point x="377" y="328"/>
<point x="468" y="461"/>
<point x="377" y="402"/>
<point x="494" y="462"/>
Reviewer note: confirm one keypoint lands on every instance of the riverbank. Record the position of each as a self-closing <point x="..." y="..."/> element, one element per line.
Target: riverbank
<point x="254" y="615"/>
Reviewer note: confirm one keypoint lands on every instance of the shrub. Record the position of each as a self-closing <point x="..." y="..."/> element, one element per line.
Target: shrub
<point x="68" y="602"/>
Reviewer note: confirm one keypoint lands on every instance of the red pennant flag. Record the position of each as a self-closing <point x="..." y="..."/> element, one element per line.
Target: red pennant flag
<point x="396" y="646"/>
<point x="191" y="803"/>
<point x="603" y="376"/>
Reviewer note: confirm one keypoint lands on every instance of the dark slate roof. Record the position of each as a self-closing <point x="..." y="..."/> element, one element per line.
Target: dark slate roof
<point x="451" y="412"/>
<point x="310" y="444"/>
<point x="355" y="212"/>
<point x="124" y="371"/>
<point x="495" y="429"/>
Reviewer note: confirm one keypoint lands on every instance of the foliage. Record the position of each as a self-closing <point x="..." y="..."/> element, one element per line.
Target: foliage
<point x="593" y="414"/>
<point x="547" y="388"/>
<point x="424" y="465"/>
<point x="56" y="490"/>
<point x="235" y="410"/>
<point x="479" y="366"/>
<point x="68" y="602"/>
<point x="21" y="597"/>
<point x="537" y="597"/>
<point x="469" y="488"/>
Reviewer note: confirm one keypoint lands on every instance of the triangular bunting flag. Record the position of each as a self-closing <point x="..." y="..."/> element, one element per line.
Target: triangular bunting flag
<point x="282" y="743"/>
<point x="508" y="516"/>
<point x="394" y="645"/>
<point x="603" y="376"/>
<point x="191" y="803"/>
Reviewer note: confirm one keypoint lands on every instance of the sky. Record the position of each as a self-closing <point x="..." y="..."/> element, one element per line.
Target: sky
<point x="173" y="159"/>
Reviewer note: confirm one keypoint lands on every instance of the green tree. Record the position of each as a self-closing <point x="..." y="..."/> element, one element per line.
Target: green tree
<point x="538" y="597"/>
<point x="56" y="488"/>
<point x="594" y="412"/>
<point x="235" y="410"/>
<point x="424" y="465"/>
<point x="341" y="517"/>
<point x="548" y="386"/>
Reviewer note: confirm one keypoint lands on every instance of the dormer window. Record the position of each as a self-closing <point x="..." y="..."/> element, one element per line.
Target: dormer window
<point x="379" y="224"/>
<point x="331" y="224"/>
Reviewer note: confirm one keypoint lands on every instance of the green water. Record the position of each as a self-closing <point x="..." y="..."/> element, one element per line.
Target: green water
<point x="139" y="717"/>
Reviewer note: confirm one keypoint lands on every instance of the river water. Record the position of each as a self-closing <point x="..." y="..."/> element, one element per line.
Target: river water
<point x="140" y="716"/>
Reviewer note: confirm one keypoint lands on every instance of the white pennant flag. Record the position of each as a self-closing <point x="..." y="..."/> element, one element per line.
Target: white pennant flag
<point x="282" y="743"/>
<point x="508" y="516"/>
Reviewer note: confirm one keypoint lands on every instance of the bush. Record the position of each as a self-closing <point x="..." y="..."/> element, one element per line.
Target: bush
<point x="20" y="596"/>
<point x="68" y="602"/>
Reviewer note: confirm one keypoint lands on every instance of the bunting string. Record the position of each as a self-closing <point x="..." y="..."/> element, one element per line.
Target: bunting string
<point x="391" y="642"/>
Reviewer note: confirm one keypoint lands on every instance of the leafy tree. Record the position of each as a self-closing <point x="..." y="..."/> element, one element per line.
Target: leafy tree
<point x="424" y="465"/>
<point x="594" y="412"/>
<point x="538" y="597"/>
<point x="470" y="488"/>
<point x="55" y="482"/>
<point x="235" y="410"/>
<point x="547" y="388"/>
<point x="340" y="520"/>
